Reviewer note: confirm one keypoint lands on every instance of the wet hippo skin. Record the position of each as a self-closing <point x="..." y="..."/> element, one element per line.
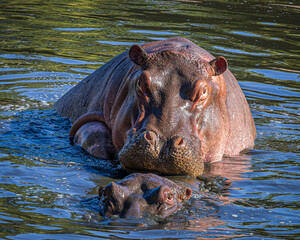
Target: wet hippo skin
<point x="139" y="194"/>
<point x="165" y="107"/>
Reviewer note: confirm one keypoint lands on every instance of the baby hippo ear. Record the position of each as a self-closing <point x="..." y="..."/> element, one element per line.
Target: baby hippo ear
<point x="219" y="65"/>
<point x="138" y="55"/>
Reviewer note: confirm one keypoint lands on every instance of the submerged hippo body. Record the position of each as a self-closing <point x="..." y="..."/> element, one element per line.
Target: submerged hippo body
<point x="140" y="194"/>
<point x="166" y="106"/>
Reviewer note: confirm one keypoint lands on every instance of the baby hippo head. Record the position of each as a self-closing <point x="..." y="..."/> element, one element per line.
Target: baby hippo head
<point x="140" y="194"/>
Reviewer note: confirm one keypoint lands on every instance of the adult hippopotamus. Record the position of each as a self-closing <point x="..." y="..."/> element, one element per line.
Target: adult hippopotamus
<point x="139" y="194"/>
<point x="166" y="106"/>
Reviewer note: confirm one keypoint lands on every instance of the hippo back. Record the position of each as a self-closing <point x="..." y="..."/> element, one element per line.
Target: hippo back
<point x="92" y="92"/>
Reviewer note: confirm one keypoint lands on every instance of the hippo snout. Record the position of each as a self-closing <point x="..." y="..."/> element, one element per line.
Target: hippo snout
<point x="134" y="206"/>
<point x="171" y="147"/>
<point x="175" y="144"/>
<point x="147" y="150"/>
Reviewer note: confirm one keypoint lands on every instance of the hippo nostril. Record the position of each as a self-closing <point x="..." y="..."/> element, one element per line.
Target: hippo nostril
<point x="150" y="137"/>
<point x="178" y="141"/>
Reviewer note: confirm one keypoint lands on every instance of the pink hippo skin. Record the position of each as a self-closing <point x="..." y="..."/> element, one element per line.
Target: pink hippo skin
<point x="165" y="107"/>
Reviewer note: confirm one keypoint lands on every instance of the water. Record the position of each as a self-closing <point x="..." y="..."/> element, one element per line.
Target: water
<point x="48" y="188"/>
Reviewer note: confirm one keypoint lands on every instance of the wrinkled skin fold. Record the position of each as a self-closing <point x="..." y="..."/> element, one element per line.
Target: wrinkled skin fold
<point x="139" y="194"/>
<point x="166" y="107"/>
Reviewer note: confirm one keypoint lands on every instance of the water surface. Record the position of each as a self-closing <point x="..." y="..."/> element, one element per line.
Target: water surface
<point x="48" y="188"/>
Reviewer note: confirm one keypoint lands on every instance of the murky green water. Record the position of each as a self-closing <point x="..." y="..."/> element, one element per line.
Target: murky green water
<point x="48" y="188"/>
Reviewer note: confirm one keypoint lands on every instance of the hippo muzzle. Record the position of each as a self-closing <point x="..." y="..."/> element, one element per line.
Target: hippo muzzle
<point x="149" y="152"/>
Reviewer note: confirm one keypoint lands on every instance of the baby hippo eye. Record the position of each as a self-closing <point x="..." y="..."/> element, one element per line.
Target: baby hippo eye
<point x="170" y="199"/>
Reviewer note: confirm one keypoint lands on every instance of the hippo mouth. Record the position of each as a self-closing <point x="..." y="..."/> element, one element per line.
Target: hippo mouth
<point x="145" y="151"/>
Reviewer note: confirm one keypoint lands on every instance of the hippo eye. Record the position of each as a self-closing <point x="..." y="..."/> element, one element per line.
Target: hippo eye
<point x="139" y="83"/>
<point x="170" y="199"/>
<point x="139" y="88"/>
<point x="142" y="90"/>
<point x="199" y="92"/>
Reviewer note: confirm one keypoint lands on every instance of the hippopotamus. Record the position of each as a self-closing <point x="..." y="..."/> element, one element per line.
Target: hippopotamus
<point x="139" y="194"/>
<point x="164" y="107"/>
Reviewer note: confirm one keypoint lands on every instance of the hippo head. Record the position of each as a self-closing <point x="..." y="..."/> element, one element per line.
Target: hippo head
<point x="140" y="194"/>
<point x="182" y="115"/>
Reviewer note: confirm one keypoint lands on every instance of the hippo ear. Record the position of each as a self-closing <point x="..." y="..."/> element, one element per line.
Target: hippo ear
<point x="219" y="65"/>
<point x="138" y="55"/>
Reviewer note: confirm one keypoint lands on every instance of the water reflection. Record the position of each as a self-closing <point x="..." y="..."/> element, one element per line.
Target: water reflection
<point x="48" y="188"/>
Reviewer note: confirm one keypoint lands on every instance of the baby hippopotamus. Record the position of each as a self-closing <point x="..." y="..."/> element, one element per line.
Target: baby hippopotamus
<point x="139" y="193"/>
